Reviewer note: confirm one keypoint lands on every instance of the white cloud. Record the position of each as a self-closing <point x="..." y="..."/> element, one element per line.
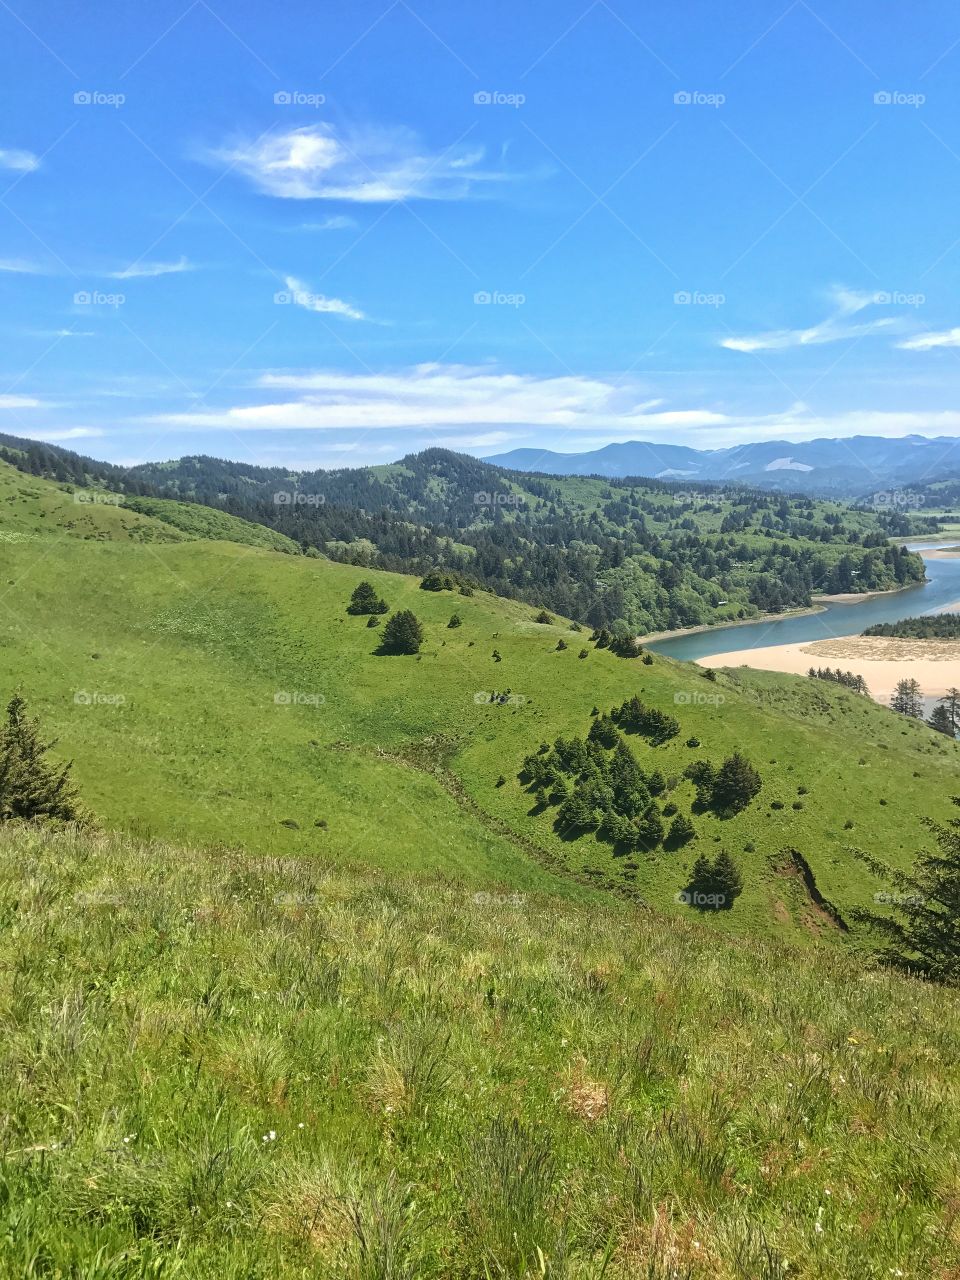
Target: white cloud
<point x="434" y="395"/>
<point x="338" y="222"/>
<point x="20" y="402"/>
<point x="300" y="295"/>
<point x="136" y="270"/>
<point x="847" y="303"/>
<point x="927" y="341"/>
<point x="19" y="161"/>
<point x="72" y="433"/>
<point x="367" y="166"/>
<point x="482" y="407"/>
<point x="20" y="267"/>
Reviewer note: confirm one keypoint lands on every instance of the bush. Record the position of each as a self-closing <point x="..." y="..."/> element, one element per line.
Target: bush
<point x="455" y="621"/>
<point x="544" y="617"/>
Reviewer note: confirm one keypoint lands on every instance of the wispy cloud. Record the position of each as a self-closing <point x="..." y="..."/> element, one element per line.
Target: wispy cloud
<point x="19" y="161"/>
<point x="20" y="402"/>
<point x="928" y="341"/>
<point x="141" y="270"/>
<point x="337" y="222"/>
<point x="434" y="395"/>
<point x="299" y="294"/>
<point x="21" y="267"/>
<point x="71" y="433"/>
<point x="835" y="328"/>
<point x="365" y="166"/>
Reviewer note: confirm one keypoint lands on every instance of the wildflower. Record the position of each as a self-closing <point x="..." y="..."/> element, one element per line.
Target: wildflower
<point x="269" y="1137"/>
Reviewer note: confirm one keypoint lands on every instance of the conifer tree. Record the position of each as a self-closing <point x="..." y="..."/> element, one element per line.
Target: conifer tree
<point x="403" y="633"/>
<point x="736" y="784"/>
<point x="30" y="786"/>
<point x="923" y="934"/>
<point x="366" y="600"/>
<point x="908" y="699"/>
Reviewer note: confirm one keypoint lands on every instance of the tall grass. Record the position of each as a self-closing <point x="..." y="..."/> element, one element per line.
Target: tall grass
<point x="215" y="1065"/>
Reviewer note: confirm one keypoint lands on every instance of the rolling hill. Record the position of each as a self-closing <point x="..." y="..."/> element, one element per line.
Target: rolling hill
<point x="215" y="691"/>
<point x="634" y="556"/>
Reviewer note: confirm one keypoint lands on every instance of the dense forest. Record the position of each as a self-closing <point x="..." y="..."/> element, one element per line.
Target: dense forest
<point x="636" y="554"/>
<point x="936" y="626"/>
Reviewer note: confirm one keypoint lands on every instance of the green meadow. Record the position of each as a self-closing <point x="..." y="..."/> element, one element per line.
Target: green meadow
<point x="219" y="692"/>
<point x="225" y="1066"/>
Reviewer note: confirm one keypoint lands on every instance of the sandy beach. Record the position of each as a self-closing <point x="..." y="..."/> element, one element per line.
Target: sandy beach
<point x="881" y="660"/>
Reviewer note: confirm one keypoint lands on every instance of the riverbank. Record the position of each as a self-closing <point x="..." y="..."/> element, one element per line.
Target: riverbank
<point x="883" y="661"/>
<point x="655" y="636"/>
<point x="820" y="603"/>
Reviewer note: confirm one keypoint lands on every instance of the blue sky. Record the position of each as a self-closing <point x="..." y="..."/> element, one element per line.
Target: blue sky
<point x="325" y="235"/>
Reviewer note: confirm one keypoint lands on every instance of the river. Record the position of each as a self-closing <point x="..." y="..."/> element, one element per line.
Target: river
<point x="941" y="589"/>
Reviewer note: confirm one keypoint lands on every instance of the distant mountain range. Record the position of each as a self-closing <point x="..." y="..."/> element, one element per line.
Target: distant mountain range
<point x="855" y="467"/>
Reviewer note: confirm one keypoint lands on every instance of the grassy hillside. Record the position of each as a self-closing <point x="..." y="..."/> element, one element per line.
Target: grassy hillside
<point x="641" y="555"/>
<point x="32" y="508"/>
<point x="316" y="1071"/>
<point x="197" y="521"/>
<point x="216" y="692"/>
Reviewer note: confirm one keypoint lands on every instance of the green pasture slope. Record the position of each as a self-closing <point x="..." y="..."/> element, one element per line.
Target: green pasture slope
<point x="215" y="692"/>
<point x="221" y="1066"/>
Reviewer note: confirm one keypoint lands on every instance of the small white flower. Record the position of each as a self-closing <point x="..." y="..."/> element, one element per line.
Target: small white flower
<point x="301" y="1125"/>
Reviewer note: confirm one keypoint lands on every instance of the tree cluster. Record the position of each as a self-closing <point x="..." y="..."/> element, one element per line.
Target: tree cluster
<point x="849" y="679"/>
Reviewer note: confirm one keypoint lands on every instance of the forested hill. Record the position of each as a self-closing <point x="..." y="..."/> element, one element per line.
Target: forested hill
<point x="642" y="554"/>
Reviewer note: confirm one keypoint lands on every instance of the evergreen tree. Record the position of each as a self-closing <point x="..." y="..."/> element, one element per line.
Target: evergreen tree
<point x="727" y="879"/>
<point x="908" y="699"/>
<point x="951" y="703"/>
<point x="941" y="721"/>
<point x="681" y="832"/>
<point x="403" y="633"/>
<point x="366" y="600"/>
<point x="923" y="934"/>
<point x="736" y="784"/>
<point x="31" y="787"/>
